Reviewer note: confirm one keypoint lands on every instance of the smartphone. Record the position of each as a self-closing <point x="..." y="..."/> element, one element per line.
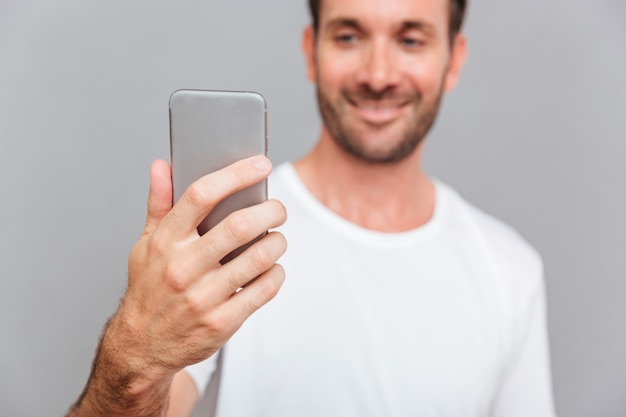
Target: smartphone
<point x="210" y="130"/>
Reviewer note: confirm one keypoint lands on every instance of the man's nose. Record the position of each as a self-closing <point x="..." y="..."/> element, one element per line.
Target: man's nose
<point x="379" y="70"/>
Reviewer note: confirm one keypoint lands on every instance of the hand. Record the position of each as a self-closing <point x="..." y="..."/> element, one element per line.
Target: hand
<point x="181" y="304"/>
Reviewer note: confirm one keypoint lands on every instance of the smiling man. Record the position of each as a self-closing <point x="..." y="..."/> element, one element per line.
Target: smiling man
<point x="402" y="298"/>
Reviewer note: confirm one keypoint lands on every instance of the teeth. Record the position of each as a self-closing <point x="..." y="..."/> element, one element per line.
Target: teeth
<point x="376" y="106"/>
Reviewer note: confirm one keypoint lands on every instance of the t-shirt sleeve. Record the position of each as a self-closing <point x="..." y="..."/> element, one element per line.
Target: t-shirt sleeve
<point x="525" y="383"/>
<point x="202" y="372"/>
<point x="526" y="387"/>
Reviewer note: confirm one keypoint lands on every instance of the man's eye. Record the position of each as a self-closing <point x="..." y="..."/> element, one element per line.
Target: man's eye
<point x="411" y="42"/>
<point x="346" y="39"/>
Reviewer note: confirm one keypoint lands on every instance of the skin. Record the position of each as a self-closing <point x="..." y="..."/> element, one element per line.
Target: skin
<point x="181" y="305"/>
<point x="174" y="273"/>
<point x="399" y="49"/>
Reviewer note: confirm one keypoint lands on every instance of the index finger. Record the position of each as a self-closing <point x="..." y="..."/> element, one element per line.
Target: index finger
<point x="205" y="193"/>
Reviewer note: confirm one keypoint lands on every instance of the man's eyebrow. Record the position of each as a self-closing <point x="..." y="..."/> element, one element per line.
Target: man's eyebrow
<point x="420" y="25"/>
<point x="342" y="22"/>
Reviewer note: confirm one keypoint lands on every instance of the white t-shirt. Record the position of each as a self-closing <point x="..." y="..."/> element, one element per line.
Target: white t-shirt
<point x="444" y="320"/>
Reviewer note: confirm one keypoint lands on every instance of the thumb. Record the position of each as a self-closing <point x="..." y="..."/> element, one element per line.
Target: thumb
<point x="160" y="196"/>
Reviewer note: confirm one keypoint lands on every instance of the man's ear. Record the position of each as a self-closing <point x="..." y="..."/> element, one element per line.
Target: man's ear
<point x="308" y="49"/>
<point x="457" y="60"/>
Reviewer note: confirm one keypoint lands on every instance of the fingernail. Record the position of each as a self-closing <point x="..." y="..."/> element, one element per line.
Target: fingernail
<point x="261" y="163"/>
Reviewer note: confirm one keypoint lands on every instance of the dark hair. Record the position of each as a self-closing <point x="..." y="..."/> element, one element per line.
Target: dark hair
<point x="457" y="14"/>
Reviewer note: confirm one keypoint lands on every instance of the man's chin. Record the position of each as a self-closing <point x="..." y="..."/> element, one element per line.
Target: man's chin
<point x="372" y="148"/>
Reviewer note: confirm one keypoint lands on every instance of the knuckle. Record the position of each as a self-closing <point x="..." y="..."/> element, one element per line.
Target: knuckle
<point x="242" y="174"/>
<point x="270" y="287"/>
<point x="176" y="278"/>
<point x="234" y="280"/>
<point x="198" y="195"/>
<point x="216" y="324"/>
<point x="238" y="225"/>
<point x="261" y="258"/>
<point x="195" y="304"/>
<point x="157" y="244"/>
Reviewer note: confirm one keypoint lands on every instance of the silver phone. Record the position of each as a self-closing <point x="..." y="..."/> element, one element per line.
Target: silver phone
<point x="210" y="130"/>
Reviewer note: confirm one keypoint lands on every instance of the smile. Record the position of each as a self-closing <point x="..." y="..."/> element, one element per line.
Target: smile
<point x="378" y="111"/>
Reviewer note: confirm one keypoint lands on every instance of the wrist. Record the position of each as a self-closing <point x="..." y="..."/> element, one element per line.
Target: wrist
<point x="122" y="381"/>
<point x="129" y="362"/>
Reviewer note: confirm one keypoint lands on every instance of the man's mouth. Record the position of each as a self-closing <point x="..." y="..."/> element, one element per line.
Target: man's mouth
<point x="378" y="111"/>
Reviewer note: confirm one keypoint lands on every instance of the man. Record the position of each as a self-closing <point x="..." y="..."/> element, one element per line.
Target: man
<point x="402" y="299"/>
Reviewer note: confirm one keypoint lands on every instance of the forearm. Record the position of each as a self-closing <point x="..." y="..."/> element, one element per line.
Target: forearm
<point x="120" y="385"/>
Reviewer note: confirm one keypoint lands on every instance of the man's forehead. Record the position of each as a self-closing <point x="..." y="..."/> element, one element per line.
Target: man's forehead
<point x="433" y="12"/>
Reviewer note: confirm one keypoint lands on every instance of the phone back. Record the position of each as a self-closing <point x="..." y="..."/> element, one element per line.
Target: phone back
<point x="210" y="130"/>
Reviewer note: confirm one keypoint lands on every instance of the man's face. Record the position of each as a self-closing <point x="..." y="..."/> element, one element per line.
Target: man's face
<point x="380" y="67"/>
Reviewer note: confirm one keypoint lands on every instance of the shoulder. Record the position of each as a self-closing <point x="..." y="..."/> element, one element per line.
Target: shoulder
<point x="511" y="256"/>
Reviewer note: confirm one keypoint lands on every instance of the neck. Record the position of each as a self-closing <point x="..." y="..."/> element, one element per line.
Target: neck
<point x="393" y="197"/>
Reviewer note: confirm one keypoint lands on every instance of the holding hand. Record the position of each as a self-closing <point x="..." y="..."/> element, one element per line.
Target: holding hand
<point x="181" y="304"/>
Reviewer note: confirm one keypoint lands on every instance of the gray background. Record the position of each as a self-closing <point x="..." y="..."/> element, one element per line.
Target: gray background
<point x="535" y="134"/>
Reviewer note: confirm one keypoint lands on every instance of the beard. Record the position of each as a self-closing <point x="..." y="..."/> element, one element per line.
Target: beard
<point x="402" y="136"/>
